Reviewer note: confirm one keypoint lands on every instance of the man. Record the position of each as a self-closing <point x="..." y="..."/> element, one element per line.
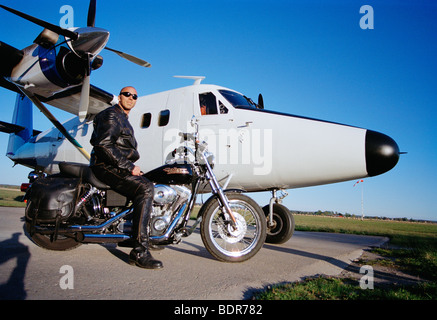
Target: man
<point x="112" y="161"/>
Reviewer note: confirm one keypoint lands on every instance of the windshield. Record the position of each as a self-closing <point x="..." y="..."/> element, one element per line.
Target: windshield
<point x="237" y="100"/>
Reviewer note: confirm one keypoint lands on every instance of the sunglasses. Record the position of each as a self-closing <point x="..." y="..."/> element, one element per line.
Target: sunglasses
<point x="128" y="94"/>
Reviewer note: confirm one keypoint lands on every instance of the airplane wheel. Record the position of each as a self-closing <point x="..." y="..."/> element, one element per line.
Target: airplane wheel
<point x="283" y="224"/>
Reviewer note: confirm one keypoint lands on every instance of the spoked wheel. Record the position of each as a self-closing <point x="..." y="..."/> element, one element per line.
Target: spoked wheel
<point x="228" y="243"/>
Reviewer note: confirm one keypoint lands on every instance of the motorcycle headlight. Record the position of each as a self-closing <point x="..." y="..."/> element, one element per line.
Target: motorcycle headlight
<point x="211" y="158"/>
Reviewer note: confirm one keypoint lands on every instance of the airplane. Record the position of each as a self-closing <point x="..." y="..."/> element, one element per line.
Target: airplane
<point x="256" y="149"/>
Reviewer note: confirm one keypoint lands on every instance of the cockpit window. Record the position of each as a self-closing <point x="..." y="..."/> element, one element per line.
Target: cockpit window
<point x="237" y="100"/>
<point x="223" y="109"/>
<point x="208" y="103"/>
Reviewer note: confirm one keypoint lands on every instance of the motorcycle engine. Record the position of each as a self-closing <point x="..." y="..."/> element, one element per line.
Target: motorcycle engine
<point x="164" y="194"/>
<point x="167" y="200"/>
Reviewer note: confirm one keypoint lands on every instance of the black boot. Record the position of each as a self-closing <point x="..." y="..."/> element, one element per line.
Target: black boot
<point x="132" y="243"/>
<point x="141" y="257"/>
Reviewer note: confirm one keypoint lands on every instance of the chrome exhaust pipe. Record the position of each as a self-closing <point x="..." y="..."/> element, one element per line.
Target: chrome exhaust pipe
<point x="102" y="226"/>
<point x="84" y="228"/>
<point x="106" y="238"/>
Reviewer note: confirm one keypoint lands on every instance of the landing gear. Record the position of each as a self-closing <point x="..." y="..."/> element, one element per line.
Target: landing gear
<point x="280" y="221"/>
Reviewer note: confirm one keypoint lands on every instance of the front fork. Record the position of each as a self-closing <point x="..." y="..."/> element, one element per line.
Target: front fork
<point x="275" y="199"/>
<point x="217" y="189"/>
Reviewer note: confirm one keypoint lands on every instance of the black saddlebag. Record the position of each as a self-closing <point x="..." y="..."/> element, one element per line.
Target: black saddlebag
<point x="52" y="199"/>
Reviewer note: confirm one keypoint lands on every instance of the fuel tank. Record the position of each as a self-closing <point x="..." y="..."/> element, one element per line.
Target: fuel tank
<point x="176" y="173"/>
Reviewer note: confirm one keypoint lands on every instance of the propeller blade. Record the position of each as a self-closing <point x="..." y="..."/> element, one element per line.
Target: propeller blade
<point x="84" y="99"/>
<point x="260" y="101"/>
<point x="66" y="33"/>
<point x="85" y="92"/>
<point x="91" y="21"/>
<point x="131" y="58"/>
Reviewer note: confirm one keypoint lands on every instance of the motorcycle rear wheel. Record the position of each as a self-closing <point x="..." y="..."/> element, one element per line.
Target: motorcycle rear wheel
<point x="228" y="244"/>
<point x="62" y="243"/>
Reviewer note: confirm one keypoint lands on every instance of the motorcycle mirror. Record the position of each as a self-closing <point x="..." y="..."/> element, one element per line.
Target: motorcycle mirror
<point x="193" y="121"/>
<point x="195" y="125"/>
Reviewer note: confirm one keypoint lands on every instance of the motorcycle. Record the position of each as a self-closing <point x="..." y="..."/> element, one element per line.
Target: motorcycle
<point x="73" y="207"/>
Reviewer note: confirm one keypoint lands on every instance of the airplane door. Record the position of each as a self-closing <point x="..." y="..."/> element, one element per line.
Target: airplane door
<point x="178" y="104"/>
<point x="153" y="116"/>
<point x="215" y="117"/>
<point x="159" y="119"/>
<point x="241" y="141"/>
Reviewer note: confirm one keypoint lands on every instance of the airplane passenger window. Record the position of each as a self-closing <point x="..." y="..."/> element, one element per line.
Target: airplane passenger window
<point x="164" y="118"/>
<point x="208" y="103"/>
<point x="146" y="120"/>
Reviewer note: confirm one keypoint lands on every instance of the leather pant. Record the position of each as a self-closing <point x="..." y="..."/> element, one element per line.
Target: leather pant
<point x="137" y="188"/>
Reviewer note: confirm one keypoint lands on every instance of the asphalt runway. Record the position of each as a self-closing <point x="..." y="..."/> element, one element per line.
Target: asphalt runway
<point x="101" y="272"/>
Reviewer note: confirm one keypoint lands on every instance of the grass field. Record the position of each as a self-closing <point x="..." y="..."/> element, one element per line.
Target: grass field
<point x="415" y="251"/>
<point x="11" y="197"/>
<point x="400" y="233"/>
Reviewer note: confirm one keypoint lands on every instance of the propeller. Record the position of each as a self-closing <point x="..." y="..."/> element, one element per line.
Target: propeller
<point x="64" y="32"/>
<point x="86" y="43"/>
<point x="260" y="101"/>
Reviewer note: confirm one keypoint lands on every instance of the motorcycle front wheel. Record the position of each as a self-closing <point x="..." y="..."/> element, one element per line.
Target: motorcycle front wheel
<point x="233" y="244"/>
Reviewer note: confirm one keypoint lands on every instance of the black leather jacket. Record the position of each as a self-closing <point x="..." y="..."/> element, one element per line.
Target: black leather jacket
<point x="113" y="140"/>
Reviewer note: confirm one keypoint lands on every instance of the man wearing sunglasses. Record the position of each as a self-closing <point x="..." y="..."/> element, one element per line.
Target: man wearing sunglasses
<point x="112" y="161"/>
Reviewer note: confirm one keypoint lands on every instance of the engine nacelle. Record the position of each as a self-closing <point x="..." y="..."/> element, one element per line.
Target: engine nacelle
<point x="44" y="71"/>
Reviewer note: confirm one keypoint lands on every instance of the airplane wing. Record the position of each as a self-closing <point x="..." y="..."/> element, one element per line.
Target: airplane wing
<point x="69" y="100"/>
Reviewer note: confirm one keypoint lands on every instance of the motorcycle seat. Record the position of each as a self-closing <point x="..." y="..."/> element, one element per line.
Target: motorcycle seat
<point x="84" y="172"/>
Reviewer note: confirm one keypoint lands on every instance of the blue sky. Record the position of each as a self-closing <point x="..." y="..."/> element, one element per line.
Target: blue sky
<point x="308" y="58"/>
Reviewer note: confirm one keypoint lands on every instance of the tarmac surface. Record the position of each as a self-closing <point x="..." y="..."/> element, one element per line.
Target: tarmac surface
<point x="102" y="272"/>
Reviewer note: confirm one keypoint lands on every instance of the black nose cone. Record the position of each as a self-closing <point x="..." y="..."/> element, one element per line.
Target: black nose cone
<point x="382" y="153"/>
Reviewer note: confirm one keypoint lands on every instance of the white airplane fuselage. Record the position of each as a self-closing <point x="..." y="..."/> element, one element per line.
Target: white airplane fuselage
<point x="255" y="149"/>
